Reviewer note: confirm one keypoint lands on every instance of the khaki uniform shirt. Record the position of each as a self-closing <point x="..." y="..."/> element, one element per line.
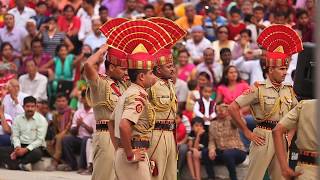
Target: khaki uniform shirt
<point x="103" y="96"/>
<point x="134" y="106"/>
<point x="266" y="102"/>
<point x="303" y="117"/>
<point x="163" y="98"/>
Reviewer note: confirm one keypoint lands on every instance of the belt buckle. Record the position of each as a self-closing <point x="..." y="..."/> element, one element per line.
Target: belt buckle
<point x="172" y="126"/>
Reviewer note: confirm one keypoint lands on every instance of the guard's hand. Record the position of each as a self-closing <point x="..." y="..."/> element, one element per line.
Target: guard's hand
<point x="138" y="155"/>
<point x="258" y="140"/>
<point x="288" y="173"/>
<point x="212" y="154"/>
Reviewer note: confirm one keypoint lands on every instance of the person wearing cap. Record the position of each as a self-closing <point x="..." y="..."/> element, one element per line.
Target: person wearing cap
<point x="104" y="91"/>
<point x="134" y="119"/>
<point x="269" y="101"/>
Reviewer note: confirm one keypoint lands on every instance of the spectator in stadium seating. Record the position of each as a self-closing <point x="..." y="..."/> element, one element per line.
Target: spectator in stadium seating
<point x="258" y="23"/>
<point x="181" y="92"/>
<point x="225" y="56"/>
<point x="21" y="13"/>
<point x="5" y="128"/>
<point x="205" y="106"/>
<point x="310" y="7"/>
<point x="95" y="39"/>
<point x="184" y="68"/>
<point x="304" y="26"/>
<point x="212" y="21"/>
<point x="68" y="22"/>
<point x="149" y="11"/>
<point x="32" y="33"/>
<point x="86" y="13"/>
<point x="130" y="11"/>
<point x="246" y="7"/>
<point x="8" y="60"/>
<point x="182" y="137"/>
<point x="168" y="11"/>
<point x="222" y="41"/>
<point x="197" y="44"/>
<point x="104" y="14"/>
<point x="41" y="16"/>
<point x="190" y="19"/>
<point x="235" y="26"/>
<point x="244" y="45"/>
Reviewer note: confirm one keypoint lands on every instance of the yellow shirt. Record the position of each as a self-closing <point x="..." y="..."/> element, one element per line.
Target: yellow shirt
<point x="183" y="22"/>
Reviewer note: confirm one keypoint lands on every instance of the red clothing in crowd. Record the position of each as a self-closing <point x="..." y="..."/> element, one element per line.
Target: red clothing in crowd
<point x="181" y="132"/>
<point x="65" y="26"/>
<point x="235" y="30"/>
<point x="228" y="96"/>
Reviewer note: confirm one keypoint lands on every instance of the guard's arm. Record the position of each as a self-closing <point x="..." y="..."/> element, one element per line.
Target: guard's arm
<point x="89" y="70"/>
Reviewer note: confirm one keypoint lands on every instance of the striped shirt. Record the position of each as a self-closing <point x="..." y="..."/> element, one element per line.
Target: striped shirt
<point x="50" y="44"/>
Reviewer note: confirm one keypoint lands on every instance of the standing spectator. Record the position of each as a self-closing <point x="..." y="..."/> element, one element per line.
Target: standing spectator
<point x="211" y="22"/>
<point x="258" y="23"/>
<point x="43" y="60"/>
<point x="184" y="68"/>
<point x="52" y="37"/>
<point x="304" y="26"/>
<point x="244" y="45"/>
<point x="86" y="18"/>
<point x="224" y="143"/>
<point x="225" y="56"/>
<point x="190" y="19"/>
<point x="33" y="83"/>
<point x="131" y="10"/>
<point x="32" y="33"/>
<point x="198" y="147"/>
<point x="231" y="86"/>
<point x="222" y="41"/>
<point x="104" y="14"/>
<point x="210" y="66"/>
<point x="235" y="25"/>
<point x="41" y="17"/>
<point x="62" y="120"/>
<point x="96" y="38"/>
<point x="197" y="44"/>
<point x="168" y="11"/>
<point x="83" y="125"/>
<point x="8" y="59"/>
<point x="21" y="13"/>
<point x="12" y="33"/>
<point x="13" y="101"/>
<point x="28" y="133"/>
<point x="5" y="128"/>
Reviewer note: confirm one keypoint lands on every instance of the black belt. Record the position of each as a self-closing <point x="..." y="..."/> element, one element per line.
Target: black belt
<point x="269" y="125"/>
<point x="137" y="144"/>
<point x="102" y="127"/>
<point x="308" y="158"/>
<point x="165" y="126"/>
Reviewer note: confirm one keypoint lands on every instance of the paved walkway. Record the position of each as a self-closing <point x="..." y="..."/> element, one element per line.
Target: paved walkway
<point x="40" y="175"/>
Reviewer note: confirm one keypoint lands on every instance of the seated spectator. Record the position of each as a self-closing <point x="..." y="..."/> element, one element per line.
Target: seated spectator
<point x="211" y="22"/>
<point x="21" y="13"/>
<point x="198" y="147"/>
<point x="205" y="106"/>
<point x="62" y="120"/>
<point x="9" y="62"/>
<point x="193" y="95"/>
<point x="52" y="37"/>
<point x="104" y="14"/>
<point x="168" y="11"/>
<point x="235" y="25"/>
<point x="210" y="65"/>
<point x="244" y="45"/>
<point x="182" y="138"/>
<point x="13" y="101"/>
<point x="83" y="125"/>
<point x="280" y="18"/>
<point x="12" y="33"/>
<point x="41" y="17"/>
<point x="149" y="11"/>
<point x="304" y="26"/>
<point x="96" y="38"/>
<point x="131" y="10"/>
<point x="32" y="33"/>
<point x="184" y="68"/>
<point x="43" y="60"/>
<point x="181" y="92"/>
<point x="3" y="10"/>
<point x="222" y="41"/>
<point x="225" y="56"/>
<point x="246" y="7"/>
<point x="33" y="83"/>
<point x="258" y="22"/>
<point x="224" y="143"/>
<point x="28" y="133"/>
<point x="5" y="128"/>
<point x="190" y="19"/>
<point x="197" y="44"/>
<point x="231" y="86"/>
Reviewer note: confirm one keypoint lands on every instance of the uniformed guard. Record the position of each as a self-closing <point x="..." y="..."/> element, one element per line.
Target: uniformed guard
<point x="133" y="115"/>
<point x="269" y="100"/>
<point x="163" y="150"/>
<point x="103" y="94"/>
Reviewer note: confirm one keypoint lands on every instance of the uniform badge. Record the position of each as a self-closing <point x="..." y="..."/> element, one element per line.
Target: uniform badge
<point x="248" y="91"/>
<point x="139" y="108"/>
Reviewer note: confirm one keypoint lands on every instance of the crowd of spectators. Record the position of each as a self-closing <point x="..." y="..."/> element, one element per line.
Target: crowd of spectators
<point x="44" y="44"/>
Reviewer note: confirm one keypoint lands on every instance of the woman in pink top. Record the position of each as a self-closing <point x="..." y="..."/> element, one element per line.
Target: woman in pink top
<point x="231" y="85"/>
<point x="185" y="68"/>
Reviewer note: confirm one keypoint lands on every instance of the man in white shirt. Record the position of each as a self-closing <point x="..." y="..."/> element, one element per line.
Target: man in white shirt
<point x="33" y="83"/>
<point x="13" y="101"/>
<point x="197" y="44"/>
<point x="96" y="38"/>
<point x="259" y="24"/>
<point x="86" y="19"/>
<point x="21" y="13"/>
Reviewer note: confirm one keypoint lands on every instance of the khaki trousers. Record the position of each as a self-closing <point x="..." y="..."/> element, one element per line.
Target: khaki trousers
<point x="125" y="170"/>
<point x="263" y="158"/>
<point x="103" y="154"/>
<point x="165" y="154"/>
<point x="309" y="172"/>
<point x="54" y="147"/>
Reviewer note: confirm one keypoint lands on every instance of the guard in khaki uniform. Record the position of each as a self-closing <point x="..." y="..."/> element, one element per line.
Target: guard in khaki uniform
<point x="269" y="101"/>
<point x="163" y="150"/>
<point x="104" y="91"/>
<point x="133" y="115"/>
<point x="303" y="118"/>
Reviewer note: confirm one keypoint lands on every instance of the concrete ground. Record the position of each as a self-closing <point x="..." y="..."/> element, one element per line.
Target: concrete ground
<point x="41" y="175"/>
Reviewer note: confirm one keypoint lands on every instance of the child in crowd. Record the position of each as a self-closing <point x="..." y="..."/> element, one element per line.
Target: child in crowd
<point x="212" y="21"/>
<point x="235" y="25"/>
<point x="182" y="137"/>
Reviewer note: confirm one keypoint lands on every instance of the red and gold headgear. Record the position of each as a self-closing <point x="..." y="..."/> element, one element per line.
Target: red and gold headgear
<point x="140" y="40"/>
<point x="164" y="55"/>
<point x="280" y="42"/>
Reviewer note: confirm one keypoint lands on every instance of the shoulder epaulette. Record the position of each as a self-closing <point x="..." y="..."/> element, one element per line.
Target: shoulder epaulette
<point x="258" y="83"/>
<point x="287" y="84"/>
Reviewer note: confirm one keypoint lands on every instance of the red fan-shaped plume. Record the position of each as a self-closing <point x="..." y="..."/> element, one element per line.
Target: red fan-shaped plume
<point x="109" y="26"/>
<point x="279" y="35"/>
